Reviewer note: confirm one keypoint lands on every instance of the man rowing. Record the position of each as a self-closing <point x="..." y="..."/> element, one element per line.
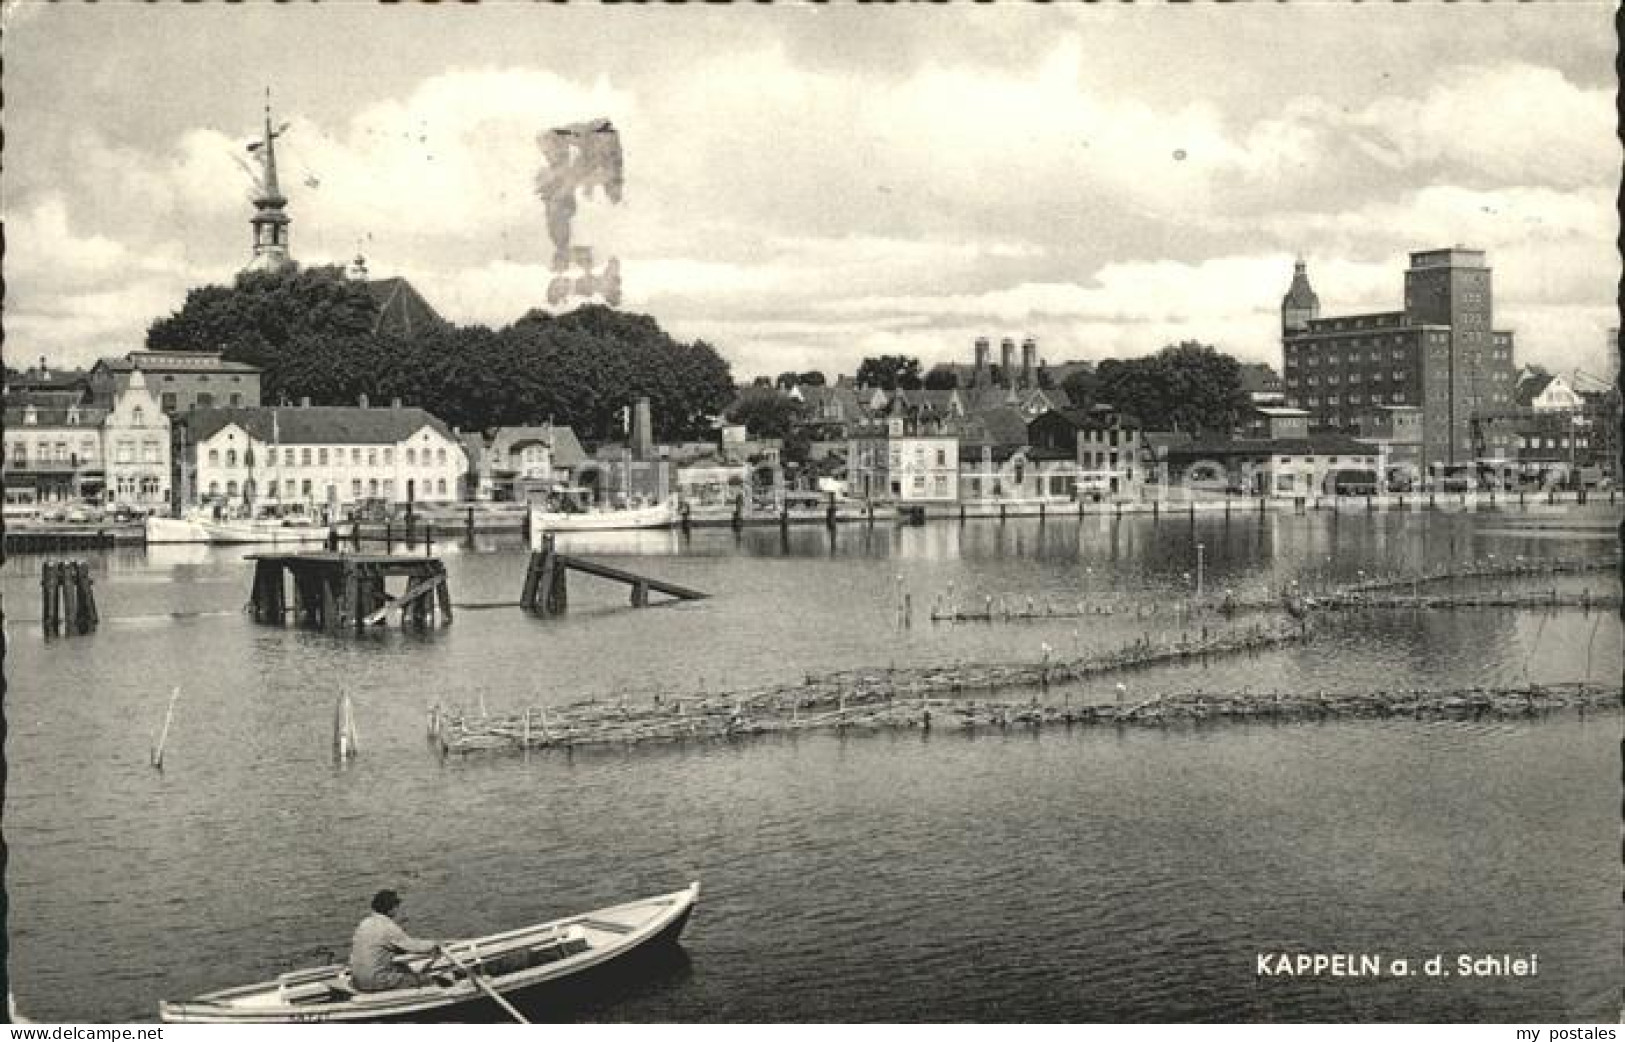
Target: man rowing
<point x="378" y="940"/>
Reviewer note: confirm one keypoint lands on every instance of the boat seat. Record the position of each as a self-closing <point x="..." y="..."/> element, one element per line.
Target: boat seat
<point x="341" y="988"/>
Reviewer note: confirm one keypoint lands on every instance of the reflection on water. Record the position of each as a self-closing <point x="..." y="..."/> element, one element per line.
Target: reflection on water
<point x="1094" y="874"/>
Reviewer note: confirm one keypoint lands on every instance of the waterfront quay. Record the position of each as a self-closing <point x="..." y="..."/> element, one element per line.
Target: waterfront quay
<point x="1378" y="797"/>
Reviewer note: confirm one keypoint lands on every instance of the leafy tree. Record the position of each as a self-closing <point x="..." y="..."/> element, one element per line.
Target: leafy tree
<point x="765" y="413"/>
<point x="787" y="380"/>
<point x="812" y="378"/>
<point x="311" y="332"/>
<point x="1082" y="386"/>
<point x="1046" y="379"/>
<point x="890" y="372"/>
<point x="941" y="378"/>
<point x="1189" y="386"/>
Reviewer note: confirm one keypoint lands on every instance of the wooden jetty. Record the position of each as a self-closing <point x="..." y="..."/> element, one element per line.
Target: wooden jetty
<point x="61" y="539"/>
<point x="337" y="591"/>
<point x="546" y="592"/>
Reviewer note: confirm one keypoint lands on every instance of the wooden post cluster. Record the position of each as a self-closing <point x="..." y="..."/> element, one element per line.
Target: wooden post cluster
<point x="545" y="591"/>
<point x="67" y="598"/>
<point x="332" y="592"/>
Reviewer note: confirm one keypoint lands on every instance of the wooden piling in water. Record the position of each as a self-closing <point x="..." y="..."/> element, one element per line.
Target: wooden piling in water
<point x="163" y="736"/>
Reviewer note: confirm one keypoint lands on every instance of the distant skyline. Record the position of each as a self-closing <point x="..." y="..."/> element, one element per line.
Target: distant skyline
<point x="807" y="185"/>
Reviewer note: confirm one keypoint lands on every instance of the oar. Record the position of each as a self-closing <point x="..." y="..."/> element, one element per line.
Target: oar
<point x="484" y="985"/>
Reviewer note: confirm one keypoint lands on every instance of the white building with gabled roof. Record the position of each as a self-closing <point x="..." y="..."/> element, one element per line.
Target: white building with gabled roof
<point x="333" y="456"/>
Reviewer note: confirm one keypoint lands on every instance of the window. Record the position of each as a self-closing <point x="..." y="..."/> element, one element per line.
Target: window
<point x="231" y="457"/>
<point x="287" y="457"/>
<point x="1331" y="399"/>
<point x="389" y="488"/>
<point x="355" y="456"/>
<point x="236" y="399"/>
<point x="149" y="452"/>
<point x="214" y="489"/>
<point x="137" y="417"/>
<point x="321" y="457"/>
<point x="304" y="457"/>
<point x="231" y="490"/>
<point x="412" y="456"/>
<point x="205" y="400"/>
<point x="214" y="457"/>
<point x="355" y="488"/>
<point x="168" y="401"/>
<point x="372" y="487"/>
<point x="304" y="488"/>
<point x="271" y="489"/>
<point x="440" y="485"/>
<point x="372" y="457"/>
<point x="1332" y="378"/>
<point x="440" y="456"/>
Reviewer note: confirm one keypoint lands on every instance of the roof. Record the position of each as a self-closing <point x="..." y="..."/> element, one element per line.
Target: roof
<point x="1531" y="387"/>
<point x="320" y="424"/>
<point x="1583" y="382"/>
<point x="1300" y="295"/>
<point x="1259" y="377"/>
<point x="401" y="308"/>
<point x="1104" y="417"/>
<point x="174" y="362"/>
<point x="1004" y="426"/>
<point x="57" y="398"/>
<point x="1169" y="440"/>
<point x="1314" y="445"/>
<point x="90" y="416"/>
<point x="567" y="450"/>
<point x="59" y="380"/>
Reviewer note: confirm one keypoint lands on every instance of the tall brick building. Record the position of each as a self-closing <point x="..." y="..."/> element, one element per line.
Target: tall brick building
<point x="1441" y="353"/>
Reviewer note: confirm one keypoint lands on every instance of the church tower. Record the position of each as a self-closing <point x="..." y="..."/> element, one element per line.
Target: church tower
<point x="270" y="222"/>
<point x="1300" y="303"/>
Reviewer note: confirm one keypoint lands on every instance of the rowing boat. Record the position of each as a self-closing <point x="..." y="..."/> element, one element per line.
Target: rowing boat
<point x="532" y="959"/>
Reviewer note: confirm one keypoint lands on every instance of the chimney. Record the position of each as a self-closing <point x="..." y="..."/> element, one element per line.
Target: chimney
<point x="1007" y="361"/>
<point x="982" y="348"/>
<point x="44" y="373"/>
<point x="642" y="436"/>
<point x="304" y="402"/>
<point x="362" y="401"/>
<point x="1029" y="361"/>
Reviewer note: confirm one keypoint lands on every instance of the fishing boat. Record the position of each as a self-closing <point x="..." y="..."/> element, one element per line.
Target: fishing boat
<point x="268" y="527"/>
<point x="658" y="515"/>
<point x="472" y="978"/>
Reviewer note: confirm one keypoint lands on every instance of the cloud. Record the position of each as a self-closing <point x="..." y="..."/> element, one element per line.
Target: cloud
<point x="1511" y="124"/>
<point x="823" y="211"/>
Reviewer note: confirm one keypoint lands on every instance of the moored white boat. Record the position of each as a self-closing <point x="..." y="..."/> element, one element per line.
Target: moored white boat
<point x="530" y="959"/>
<point x="264" y="530"/>
<point x="199" y="528"/>
<point x="176" y="530"/>
<point x="660" y="515"/>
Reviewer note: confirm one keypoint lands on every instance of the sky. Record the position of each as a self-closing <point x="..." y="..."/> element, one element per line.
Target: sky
<point x="806" y="185"/>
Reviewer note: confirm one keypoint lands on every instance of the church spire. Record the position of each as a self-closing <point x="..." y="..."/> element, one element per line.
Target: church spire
<point x="1300" y="305"/>
<point x="270" y="222"/>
